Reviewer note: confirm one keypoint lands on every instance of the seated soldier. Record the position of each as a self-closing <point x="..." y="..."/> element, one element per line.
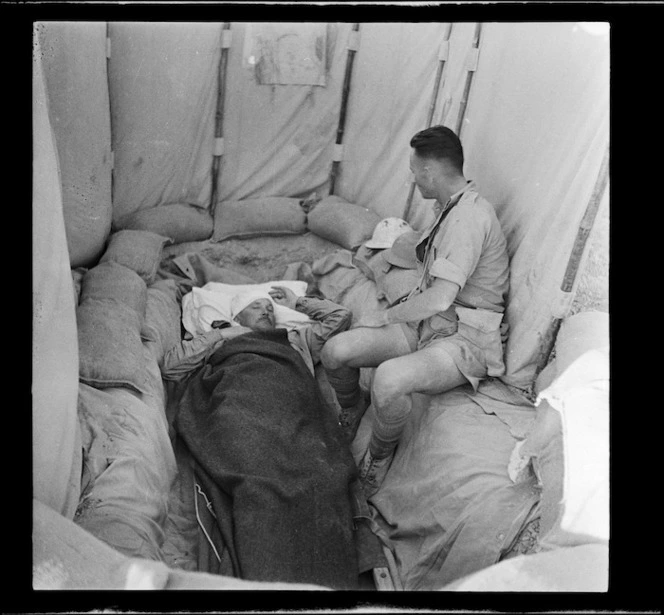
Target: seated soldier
<point x="447" y="332"/>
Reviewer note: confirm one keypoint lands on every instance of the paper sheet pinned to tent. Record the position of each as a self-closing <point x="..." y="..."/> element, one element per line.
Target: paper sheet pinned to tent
<point x="287" y="53"/>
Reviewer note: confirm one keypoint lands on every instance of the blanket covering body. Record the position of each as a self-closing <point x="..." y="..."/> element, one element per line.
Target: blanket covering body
<point x="273" y="462"/>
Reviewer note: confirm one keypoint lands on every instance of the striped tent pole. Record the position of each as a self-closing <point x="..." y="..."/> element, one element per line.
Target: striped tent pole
<point x="226" y="37"/>
<point x="353" y="44"/>
<point x="443" y="54"/>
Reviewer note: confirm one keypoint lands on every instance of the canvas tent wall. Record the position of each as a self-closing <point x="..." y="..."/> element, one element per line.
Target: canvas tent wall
<point x="133" y="108"/>
<point x="55" y="428"/>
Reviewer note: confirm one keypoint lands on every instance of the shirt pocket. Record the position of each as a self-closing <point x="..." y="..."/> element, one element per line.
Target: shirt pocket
<point x="482" y="328"/>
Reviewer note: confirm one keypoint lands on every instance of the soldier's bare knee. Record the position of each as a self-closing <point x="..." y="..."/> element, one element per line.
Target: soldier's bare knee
<point x="388" y="384"/>
<point x="335" y="352"/>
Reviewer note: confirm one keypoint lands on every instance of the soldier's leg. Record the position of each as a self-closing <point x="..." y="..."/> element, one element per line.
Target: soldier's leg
<point x="344" y="354"/>
<point x="429" y="370"/>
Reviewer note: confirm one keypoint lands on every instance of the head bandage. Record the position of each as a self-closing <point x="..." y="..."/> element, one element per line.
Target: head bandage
<point x="242" y="300"/>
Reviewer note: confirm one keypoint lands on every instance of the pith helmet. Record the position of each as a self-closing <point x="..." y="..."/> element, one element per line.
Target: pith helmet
<point x="402" y="253"/>
<point x="386" y="232"/>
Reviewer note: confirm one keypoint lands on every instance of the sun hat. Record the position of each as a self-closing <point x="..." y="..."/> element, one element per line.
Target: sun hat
<point x="386" y="231"/>
<point x="402" y="253"/>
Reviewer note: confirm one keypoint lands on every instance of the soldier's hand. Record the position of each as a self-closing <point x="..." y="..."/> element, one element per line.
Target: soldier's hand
<point x="283" y="296"/>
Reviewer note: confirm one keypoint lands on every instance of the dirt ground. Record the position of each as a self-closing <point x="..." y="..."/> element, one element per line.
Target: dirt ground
<point x="263" y="259"/>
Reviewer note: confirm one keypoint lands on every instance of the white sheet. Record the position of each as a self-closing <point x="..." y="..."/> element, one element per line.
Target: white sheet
<point x="202" y="306"/>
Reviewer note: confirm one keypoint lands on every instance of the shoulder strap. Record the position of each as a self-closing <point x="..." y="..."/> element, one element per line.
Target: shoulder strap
<point x="427" y="246"/>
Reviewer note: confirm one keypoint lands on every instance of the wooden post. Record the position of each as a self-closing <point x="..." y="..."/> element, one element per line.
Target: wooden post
<point x="432" y="107"/>
<point x="574" y="262"/>
<point x="345" y="92"/>
<point x="108" y="86"/>
<point x="219" y="115"/>
<point x="472" y="66"/>
<point x="586" y="225"/>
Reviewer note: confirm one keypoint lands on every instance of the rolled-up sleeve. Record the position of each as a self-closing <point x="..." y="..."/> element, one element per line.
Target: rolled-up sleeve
<point x="329" y="319"/>
<point x="447" y="270"/>
<point x="458" y="252"/>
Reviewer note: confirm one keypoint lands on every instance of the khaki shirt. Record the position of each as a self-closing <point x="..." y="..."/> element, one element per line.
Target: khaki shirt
<point x="468" y="248"/>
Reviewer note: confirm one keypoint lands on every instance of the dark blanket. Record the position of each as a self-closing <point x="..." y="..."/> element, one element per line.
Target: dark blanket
<point x="273" y="462"/>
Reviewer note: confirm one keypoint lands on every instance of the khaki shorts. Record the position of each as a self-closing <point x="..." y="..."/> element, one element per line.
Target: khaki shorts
<point x="473" y="343"/>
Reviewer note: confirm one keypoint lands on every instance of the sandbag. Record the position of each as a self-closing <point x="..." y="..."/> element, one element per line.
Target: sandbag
<point x="260" y="216"/>
<point x="109" y="317"/>
<point x="110" y="281"/>
<point x="179" y="221"/>
<point x="162" y="317"/>
<point x="140" y="251"/>
<point x="345" y="223"/>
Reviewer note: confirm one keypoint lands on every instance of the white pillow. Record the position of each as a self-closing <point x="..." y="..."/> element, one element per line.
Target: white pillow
<point x="202" y="306"/>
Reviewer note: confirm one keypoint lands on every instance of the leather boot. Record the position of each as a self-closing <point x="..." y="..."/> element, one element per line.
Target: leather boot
<point x="349" y="418"/>
<point x="372" y="472"/>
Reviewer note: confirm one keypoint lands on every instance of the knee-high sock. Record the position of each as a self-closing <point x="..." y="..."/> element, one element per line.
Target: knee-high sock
<point x="346" y="384"/>
<point x="388" y="424"/>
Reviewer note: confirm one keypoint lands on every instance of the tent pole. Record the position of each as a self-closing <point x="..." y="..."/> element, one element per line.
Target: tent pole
<point x="576" y="255"/>
<point x="469" y="78"/>
<point x="345" y="92"/>
<point x="110" y="114"/>
<point x="219" y="115"/>
<point x="442" y="60"/>
<point x="586" y="225"/>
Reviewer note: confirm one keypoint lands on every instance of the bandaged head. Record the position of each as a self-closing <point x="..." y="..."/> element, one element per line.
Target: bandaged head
<point x="242" y="300"/>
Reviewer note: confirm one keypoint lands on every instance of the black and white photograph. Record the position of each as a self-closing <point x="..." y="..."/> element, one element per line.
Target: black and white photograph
<point x="320" y="305"/>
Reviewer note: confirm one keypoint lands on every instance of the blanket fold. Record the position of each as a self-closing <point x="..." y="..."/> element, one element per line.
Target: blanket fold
<point x="275" y="463"/>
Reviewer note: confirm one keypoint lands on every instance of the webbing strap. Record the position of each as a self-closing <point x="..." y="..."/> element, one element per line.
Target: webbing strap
<point x="427" y="247"/>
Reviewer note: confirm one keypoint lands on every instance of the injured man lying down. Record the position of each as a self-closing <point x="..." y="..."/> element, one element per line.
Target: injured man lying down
<point x="266" y="444"/>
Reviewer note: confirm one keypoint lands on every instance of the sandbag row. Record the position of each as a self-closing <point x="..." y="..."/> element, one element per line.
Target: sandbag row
<point x="332" y="218"/>
<point x="126" y="319"/>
